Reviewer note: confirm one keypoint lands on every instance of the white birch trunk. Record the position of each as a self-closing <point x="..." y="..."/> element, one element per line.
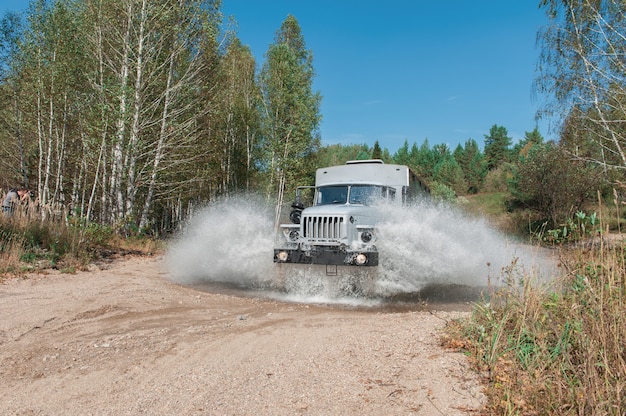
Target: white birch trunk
<point x="132" y="151"/>
<point x="117" y="161"/>
<point x="160" y="147"/>
<point x="48" y="163"/>
<point x="40" y="137"/>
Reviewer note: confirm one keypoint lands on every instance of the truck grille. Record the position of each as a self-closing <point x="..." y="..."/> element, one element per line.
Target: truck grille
<point x="324" y="228"/>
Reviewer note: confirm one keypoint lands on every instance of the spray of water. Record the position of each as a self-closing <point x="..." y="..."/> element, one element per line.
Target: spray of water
<point x="231" y="241"/>
<point x="433" y="243"/>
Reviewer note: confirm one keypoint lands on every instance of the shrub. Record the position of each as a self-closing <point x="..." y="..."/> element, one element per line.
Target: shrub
<point x="497" y="179"/>
<point x="26" y="244"/>
<point x="442" y="192"/>
<point x="550" y="182"/>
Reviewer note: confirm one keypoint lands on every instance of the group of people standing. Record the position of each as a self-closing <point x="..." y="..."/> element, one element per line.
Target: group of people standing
<point x="13" y="199"/>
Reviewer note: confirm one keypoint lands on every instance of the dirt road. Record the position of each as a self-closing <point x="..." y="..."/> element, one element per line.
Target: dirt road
<point x="123" y="340"/>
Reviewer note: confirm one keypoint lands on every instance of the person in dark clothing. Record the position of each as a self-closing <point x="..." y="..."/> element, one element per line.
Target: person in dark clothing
<point x="13" y="198"/>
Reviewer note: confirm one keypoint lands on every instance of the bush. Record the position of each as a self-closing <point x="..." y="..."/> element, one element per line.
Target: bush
<point x="550" y="182"/>
<point x="497" y="179"/>
<point x="28" y="244"/>
<point x="97" y="234"/>
<point x="442" y="192"/>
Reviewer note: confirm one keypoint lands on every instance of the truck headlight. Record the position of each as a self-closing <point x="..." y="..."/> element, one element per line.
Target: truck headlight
<point x="360" y="259"/>
<point x="294" y="235"/>
<point x="282" y="256"/>
<point x="366" y="236"/>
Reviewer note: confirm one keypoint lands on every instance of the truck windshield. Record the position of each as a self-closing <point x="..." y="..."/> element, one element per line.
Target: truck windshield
<point x="332" y="195"/>
<point x="366" y="194"/>
<point x="358" y="194"/>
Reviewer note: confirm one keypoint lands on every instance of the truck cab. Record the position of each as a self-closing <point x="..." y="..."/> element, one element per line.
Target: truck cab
<point x="340" y="227"/>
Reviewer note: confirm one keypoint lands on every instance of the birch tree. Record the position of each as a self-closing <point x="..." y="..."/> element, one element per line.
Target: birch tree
<point x="131" y="111"/>
<point x="13" y="157"/>
<point x="53" y="64"/>
<point x="582" y="69"/>
<point x="151" y="67"/>
<point x="239" y="121"/>
<point x="290" y="111"/>
<point x="187" y="68"/>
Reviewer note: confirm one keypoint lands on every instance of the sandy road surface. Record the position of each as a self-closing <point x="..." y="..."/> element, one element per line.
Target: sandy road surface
<point x="122" y="340"/>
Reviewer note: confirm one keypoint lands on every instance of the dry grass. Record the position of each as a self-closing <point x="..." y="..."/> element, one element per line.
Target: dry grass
<point x="28" y="243"/>
<point x="558" y="349"/>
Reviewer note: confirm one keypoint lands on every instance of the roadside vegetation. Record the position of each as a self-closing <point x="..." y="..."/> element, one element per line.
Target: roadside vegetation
<point x="29" y="244"/>
<point x="555" y="347"/>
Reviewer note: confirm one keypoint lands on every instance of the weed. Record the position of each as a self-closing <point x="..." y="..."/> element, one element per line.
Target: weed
<point x="575" y="229"/>
<point x="27" y="244"/>
<point x="558" y="348"/>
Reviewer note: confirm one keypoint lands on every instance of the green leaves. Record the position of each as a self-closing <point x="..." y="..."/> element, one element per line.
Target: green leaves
<point x="497" y="144"/>
<point x="549" y="182"/>
<point x="290" y="111"/>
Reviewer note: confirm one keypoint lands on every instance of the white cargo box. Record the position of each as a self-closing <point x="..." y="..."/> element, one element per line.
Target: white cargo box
<point x="371" y="172"/>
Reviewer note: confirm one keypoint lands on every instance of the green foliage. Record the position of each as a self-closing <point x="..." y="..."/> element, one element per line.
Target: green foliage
<point x="402" y="157"/>
<point x="554" y="185"/>
<point x="582" y="74"/>
<point x="97" y="235"/>
<point x="140" y="129"/>
<point x="498" y="180"/>
<point x="235" y="166"/>
<point x="448" y="172"/>
<point x="362" y="155"/>
<point x="472" y="163"/>
<point x="531" y="138"/>
<point x="290" y="110"/>
<point x="377" y="152"/>
<point x="489" y="204"/>
<point x="66" y="245"/>
<point x="497" y="144"/>
<point x="575" y="229"/>
<point x="442" y="192"/>
<point x="555" y="349"/>
<point x="338" y="154"/>
<point x="424" y="160"/>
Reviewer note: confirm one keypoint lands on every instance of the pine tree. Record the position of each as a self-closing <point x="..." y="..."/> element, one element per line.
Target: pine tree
<point x="531" y="138"/>
<point x="448" y="172"/>
<point x="472" y="163"/>
<point x="377" y="152"/>
<point x="497" y="144"/>
<point x="425" y="160"/>
<point x="401" y="157"/>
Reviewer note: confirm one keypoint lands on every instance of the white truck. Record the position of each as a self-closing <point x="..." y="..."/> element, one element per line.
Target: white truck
<point x="339" y="229"/>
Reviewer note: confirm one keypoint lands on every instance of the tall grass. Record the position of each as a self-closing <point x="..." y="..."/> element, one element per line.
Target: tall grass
<point x="28" y="243"/>
<point x="558" y="348"/>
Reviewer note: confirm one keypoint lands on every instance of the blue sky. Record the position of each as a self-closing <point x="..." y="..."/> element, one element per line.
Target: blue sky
<point x="401" y="70"/>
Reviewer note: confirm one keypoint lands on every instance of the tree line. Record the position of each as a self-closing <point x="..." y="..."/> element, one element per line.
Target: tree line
<point x="534" y="174"/>
<point x="131" y="113"/>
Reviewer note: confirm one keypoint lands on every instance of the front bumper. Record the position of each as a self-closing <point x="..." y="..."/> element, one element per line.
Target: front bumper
<point x="326" y="256"/>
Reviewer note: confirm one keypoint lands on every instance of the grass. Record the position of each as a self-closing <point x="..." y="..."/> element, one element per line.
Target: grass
<point x="493" y="206"/>
<point x="488" y="204"/>
<point x="557" y="348"/>
<point x="28" y="244"/>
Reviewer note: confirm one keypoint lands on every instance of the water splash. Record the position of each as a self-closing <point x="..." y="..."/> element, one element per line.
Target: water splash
<point x="434" y="243"/>
<point x="231" y="241"/>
